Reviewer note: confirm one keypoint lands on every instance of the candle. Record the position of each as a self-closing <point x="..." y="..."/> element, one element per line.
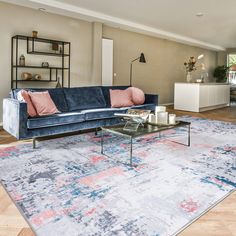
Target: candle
<point x="151" y="118"/>
<point x="163" y="117"/>
<point x="159" y="109"/>
<point x="172" y="119"/>
<point x="156" y="119"/>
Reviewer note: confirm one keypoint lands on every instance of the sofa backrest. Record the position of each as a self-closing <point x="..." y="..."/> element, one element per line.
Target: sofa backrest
<point x="84" y="98"/>
<point x="79" y="98"/>
<point x="57" y="96"/>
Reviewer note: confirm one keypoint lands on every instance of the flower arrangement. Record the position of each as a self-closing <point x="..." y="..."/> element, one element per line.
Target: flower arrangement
<point x="191" y="64"/>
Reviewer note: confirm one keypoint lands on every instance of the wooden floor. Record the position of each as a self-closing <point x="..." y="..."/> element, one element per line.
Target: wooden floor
<point x="219" y="221"/>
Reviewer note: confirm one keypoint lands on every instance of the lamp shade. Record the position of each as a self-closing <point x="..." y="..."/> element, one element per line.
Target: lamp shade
<point x="142" y="58"/>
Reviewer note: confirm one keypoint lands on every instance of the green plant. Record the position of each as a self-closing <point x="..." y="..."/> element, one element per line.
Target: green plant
<point x="220" y="73"/>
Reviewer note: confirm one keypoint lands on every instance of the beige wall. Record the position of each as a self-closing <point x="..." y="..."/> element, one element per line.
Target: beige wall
<point x="164" y="58"/>
<point x="164" y="64"/>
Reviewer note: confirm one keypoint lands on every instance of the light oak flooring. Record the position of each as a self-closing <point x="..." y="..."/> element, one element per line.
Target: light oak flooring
<point x="219" y="221"/>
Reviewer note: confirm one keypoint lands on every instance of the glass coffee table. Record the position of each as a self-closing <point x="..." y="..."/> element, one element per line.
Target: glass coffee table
<point x="142" y="131"/>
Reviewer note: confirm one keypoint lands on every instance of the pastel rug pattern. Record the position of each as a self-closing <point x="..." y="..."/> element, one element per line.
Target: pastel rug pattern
<point x="66" y="187"/>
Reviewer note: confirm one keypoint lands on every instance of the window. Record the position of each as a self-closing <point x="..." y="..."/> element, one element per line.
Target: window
<point x="231" y="60"/>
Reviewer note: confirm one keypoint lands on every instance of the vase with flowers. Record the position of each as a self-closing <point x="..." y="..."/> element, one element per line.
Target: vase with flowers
<point x="191" y="65"/>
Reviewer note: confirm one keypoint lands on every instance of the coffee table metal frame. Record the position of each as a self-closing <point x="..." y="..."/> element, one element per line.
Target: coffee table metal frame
<point x="145" y="130"/>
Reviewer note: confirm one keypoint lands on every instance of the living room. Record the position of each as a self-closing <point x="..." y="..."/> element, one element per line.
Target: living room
<point x="97" y="100"/>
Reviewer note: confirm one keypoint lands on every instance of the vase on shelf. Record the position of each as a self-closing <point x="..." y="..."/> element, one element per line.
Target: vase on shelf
<point x="189" y="77"/>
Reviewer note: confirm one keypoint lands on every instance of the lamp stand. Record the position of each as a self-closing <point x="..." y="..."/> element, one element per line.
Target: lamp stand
<point x="130" y="74"/>
<point x="142" y="60"/>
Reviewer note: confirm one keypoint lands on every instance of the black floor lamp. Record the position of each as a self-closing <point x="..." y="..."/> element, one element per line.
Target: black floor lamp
<point x="142" y="60"/>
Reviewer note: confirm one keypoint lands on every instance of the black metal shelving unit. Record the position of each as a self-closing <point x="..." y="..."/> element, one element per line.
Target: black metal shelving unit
<point x="30" y="45"/>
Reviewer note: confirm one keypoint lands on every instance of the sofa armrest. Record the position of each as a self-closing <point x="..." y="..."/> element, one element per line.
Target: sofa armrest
<point x="15" y="117"/>
<point x="151" y="99"/>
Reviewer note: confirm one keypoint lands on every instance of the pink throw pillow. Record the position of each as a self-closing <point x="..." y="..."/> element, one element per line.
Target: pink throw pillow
<point x="138" y="96"/>
<point x="121" y="98"/>
<point x="43" y="103"/>
<point x="23" y="96"/>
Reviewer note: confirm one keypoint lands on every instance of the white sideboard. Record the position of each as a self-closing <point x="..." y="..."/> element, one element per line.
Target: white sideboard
<point x="199" y="97"/>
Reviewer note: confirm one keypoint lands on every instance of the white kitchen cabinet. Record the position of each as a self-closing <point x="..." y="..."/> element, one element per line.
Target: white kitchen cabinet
<point x="199" y="97"/>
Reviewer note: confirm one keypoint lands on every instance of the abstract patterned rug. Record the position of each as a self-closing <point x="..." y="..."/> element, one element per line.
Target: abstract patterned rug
<point x="66" y="187"/>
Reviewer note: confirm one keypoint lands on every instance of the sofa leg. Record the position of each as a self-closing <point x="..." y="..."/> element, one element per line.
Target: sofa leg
<point x="34" y="143"/>
<point x="96" y="131"/>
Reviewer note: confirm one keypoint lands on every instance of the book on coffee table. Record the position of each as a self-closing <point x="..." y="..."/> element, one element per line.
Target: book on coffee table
<point x="135" y="117"/>
<point x="135" y="114"/>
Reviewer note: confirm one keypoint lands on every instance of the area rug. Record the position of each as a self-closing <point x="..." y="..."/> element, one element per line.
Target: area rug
<point x="66" y="187"/>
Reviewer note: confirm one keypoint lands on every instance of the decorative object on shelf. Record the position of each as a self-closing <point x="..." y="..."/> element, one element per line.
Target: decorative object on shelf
<point x="58" y="82"/>
<point x="141" y="59"/>
<point x="22" y="60"/>
<point x="60" y="50"/>
<point x="220" y="73"/>
<point x="172" y="119"/>
<point x="45" y="64"/>
<point x="34" y="34"/>
<point x="55" y="47"/>
<point x="37" y="77"/>
<point x="26" y="76"/>
<point x="191" y="66"/>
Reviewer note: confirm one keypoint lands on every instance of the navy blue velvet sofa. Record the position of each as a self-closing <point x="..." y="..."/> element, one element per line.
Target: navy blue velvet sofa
<point x="81" y="108"/>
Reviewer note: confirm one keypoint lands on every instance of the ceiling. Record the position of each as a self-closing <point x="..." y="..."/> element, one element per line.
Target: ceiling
<point x="171" y="19"/>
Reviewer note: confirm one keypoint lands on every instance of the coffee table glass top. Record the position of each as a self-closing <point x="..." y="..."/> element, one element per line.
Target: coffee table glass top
<point x="142" y="130"/>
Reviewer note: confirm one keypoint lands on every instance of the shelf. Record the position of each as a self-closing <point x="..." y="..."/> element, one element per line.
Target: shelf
<point x="42" y="40"/>
<point x="40" y="67"/>
<point x="49" y="54"/>
<point x="60" y="66"/>
<point x="32" y="80"/>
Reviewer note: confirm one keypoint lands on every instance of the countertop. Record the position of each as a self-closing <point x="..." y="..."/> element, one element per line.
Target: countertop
<point x="209" y="83"/>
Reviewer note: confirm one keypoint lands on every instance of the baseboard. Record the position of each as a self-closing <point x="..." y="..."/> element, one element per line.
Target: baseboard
<point x="167" y="104"/>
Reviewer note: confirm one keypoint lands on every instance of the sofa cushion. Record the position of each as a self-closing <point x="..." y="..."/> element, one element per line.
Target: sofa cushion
<point x="138" y="96"/>
<point x="56" y="94"/>
<point x="106" y="93"/>
<point x="23" y="96"/>
<point x="84" y="98"/>
<point x="43" y="103"/>
<point x="55" y="120"/>
<point x="101" y="113"/>
<point x="121" y="98"/>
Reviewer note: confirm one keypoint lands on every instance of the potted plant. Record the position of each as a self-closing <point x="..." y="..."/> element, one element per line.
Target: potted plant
<point x="220" y="73"/>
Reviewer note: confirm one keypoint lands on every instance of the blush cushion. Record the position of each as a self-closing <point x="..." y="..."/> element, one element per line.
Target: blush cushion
<point x="138" y="96"/>
<point x="23" y="96"/>
<point x="43" y="103"/>
<point x="121" y="98"/>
